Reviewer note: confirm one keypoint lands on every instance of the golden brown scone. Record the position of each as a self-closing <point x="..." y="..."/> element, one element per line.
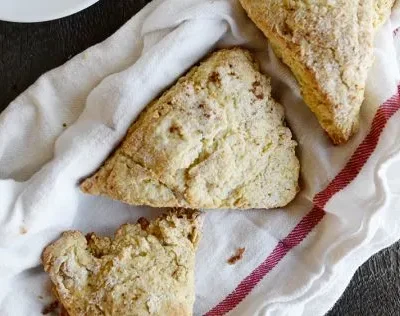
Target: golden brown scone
<point x="216" y="139"/>
<point x="147" y="269"/>
<point x="329" y="47"/>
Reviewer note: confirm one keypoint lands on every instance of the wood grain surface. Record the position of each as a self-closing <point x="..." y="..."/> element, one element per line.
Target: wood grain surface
<point x="29" y="50"/>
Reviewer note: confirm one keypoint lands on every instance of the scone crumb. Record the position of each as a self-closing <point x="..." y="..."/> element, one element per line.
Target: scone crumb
<point x="237" y="256"/>
<point x="23" y="230"/>
<point x="50" y="308"/>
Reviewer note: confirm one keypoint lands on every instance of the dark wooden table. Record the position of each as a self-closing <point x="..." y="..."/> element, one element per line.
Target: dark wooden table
<point x="28" y="50"/>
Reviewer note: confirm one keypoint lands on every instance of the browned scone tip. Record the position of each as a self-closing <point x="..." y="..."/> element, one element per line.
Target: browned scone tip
<point x="141" y="271"/>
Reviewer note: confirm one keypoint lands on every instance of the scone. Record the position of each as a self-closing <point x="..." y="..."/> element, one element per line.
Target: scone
<point x="147" y="269"/>
<point x="216" y="139"/>
<point x="329" y="47"/>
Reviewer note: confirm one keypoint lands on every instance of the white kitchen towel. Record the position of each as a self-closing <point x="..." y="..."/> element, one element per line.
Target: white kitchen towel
<point x="298" y="260"/>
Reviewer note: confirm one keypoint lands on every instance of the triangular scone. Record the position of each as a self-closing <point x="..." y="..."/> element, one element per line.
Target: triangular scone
<point x="146" y="269"/>
<point x="329" y="47"/>
<point x="216" y="139"/>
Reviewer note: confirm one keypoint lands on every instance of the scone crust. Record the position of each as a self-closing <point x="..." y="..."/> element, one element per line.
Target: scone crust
<point x="146" y="269"/>
<point x="329" y="47"/>
<point x="216" y="139"/>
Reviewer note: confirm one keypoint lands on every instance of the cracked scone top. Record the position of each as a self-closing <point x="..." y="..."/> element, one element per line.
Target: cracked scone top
<point x="216" y="139"/>
<point x="147" y="269"/>
<point x="329" y="47"/>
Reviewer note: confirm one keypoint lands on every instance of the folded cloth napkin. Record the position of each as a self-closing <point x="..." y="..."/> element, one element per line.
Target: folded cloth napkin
<point x="297" y="260"/>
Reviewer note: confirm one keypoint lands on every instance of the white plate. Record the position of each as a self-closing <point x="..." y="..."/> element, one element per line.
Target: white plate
<point x="40" y="10"/>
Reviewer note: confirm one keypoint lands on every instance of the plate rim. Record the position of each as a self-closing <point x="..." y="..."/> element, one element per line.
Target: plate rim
<point x="50" y="17"/>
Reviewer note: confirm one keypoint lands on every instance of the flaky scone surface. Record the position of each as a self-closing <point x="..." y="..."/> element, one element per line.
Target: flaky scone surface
<point x="329" y="47"/>
<point x="146" y="269"/>
<point x="216" y="139"/>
